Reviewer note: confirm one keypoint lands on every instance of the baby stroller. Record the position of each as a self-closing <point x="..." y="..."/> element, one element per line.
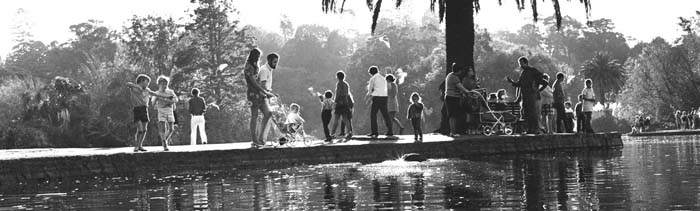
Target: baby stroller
<point x="290" y="133"/>
<point x="495" y="118"/>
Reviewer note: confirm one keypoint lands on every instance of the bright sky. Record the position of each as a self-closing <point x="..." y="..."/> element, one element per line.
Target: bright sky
<point x="50" y="19"/>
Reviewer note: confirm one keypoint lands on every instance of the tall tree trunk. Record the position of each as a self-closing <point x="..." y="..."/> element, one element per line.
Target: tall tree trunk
<point x="459" y="33"/>
<point x="459" y="42"/>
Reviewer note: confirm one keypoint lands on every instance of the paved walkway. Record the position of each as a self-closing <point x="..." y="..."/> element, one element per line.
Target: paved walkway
<point x="14" y="154"/>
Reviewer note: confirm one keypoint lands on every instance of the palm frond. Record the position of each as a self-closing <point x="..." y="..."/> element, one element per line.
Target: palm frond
<point x="375" y="16"/>
<point x="534" y="9"/>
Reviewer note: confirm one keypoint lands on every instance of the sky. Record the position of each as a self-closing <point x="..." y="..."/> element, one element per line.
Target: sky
<point x="49" y="20"/>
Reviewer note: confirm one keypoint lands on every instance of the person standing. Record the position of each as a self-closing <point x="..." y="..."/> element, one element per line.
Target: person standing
<point x="415" y="114"/>
<point x="529" y="81"/>
<point x="265" y="76"/>
<point x="393" y="101"/>
<point x="454" y="90"/>
<point x="140" y="94"/>
<point x="327" y="105"/>
<point x="257" y="95"/>
<point x="377" y="92"/>
<point x="559" y="99"/>
<point x="580" y="117"/>
<point x="197" y="109"/>
<point x="588" y="104"/>
<point x="548" y="114"/>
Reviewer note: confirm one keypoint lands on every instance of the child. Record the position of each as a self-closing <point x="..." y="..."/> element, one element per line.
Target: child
<point x="415" y="114"/>
<point x="327" y="105"/>
<point x="165" y="107"/>
<point x="294" y="120"/>
<point x="197" y="108"/>
<point x="569" y="117"/>
<point x="139" y="95"/>
<point x="579" y="114"/>
<point x="588" y="104"/>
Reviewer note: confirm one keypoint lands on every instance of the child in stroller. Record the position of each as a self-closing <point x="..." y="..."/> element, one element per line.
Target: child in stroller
<point x="290" y="124"/>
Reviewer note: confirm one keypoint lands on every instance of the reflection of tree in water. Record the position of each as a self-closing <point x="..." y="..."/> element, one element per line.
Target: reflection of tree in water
<point x="418" y="195"/>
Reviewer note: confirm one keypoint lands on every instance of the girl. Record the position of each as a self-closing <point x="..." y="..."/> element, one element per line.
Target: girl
<point x="393" y="102"/>
<point x="415" y="114"/>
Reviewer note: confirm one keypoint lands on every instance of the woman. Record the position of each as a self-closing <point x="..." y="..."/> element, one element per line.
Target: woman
<point x="393" y="102"/>
<point x="454" y="90"/>
<point x="343" y="104"/>
<point x="548" y="116"/>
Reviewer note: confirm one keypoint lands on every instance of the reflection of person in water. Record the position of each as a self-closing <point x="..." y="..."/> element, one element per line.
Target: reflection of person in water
<point x="418" y="196"/>
<point x="328" y="193"/>
<point x="387" y="196"/>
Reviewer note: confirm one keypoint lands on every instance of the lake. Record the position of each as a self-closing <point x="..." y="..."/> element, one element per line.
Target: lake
<point x="660" y="173"/>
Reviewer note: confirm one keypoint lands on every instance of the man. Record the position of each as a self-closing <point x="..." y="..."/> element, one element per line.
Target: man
<point x="197" y="108"/>
<point x="588" y="104"/>
<point x="529" y="81"/>
<point x="454" y="91"/>
<point x="266" y="83"/>
<point x="377" y="90"/>
<point x="559" y="99"/>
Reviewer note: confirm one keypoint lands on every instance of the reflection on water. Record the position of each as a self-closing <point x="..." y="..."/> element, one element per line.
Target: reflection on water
<point x="648" y="174"/>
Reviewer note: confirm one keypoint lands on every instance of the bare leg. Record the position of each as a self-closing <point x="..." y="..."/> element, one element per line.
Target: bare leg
<point x="144" y="130"/>
<point x="253" y="124"/>
<point x="336" y="119"/>
<point x="170" y="129"/>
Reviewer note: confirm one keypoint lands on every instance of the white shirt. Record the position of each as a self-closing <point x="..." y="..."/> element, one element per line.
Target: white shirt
<point x="294" y="118"/>
<point x="588" y="94"/>
<point x="266" y="75"/>
<point x="377" y="86"/>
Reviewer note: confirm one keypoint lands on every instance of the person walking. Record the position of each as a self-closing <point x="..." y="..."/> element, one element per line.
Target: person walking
<point x="197" y="109"/>
<point x="558" y="104"/>
<point x="393" y="101"/>
<point x="327" y="105"/>
<point x="343" y="104"/>
<point x="265" y="78"/>
<point x="377" y="93"/>
<point x="529" y="81"/>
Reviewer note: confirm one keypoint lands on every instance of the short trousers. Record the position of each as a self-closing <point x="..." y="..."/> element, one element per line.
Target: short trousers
<point x="141" y="114"/>
<point x="166" y="115"/>
<point x="454" y="108"/>
<point x="547" y="109"/>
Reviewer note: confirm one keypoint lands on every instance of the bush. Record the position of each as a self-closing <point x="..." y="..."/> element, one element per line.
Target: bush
<point x="607" y="122"/>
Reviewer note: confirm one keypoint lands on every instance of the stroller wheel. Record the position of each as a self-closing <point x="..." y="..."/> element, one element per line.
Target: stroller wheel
<point x="487" y="130"/>
<point x="508" y="130"/>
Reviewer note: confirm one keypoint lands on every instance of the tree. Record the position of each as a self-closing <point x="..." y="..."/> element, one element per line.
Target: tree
<point x="151" y="43"/>
<point x="459" y="22"/>
<point x="287" y="27"/>
<point x="214" y="41"/>
<point x="94" y="39"/>
<point x="21" y="28"/>
<point x="607" y="74"/>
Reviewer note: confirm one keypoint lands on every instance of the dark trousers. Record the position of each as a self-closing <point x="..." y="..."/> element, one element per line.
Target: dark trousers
<point x="561" y="118"/>
<point x="417" y="130"/>
<point x="379" y="104"/>
<point x="326" y="116"/>
<point x="569" y="123"/>
<point x="579" y="122"/>
<point x="587" y="122"/>
<point x="529" y="111"/>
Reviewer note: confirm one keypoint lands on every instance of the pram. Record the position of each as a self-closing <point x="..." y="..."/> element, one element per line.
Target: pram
<point x="496" y="118"/>
<point x="290" y="133"/>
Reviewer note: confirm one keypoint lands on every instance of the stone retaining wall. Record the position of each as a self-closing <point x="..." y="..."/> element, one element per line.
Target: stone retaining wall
<point x="13" y="172"/>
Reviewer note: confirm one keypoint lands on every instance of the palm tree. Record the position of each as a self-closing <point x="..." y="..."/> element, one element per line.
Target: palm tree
<point x="608" y="75"/>
<point x="459" y="22"/>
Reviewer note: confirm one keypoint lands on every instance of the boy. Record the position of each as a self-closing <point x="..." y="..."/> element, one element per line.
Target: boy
<point x="139" y="96"/>
<point x="294" y="120"/>
<point x="165" y="106"/>
<point x="588" y="104"/>
<point x="327" y="105"/>
<point x="568" y="117"/>
<point x="197" y="108"/>
<point x="579" y="114"/>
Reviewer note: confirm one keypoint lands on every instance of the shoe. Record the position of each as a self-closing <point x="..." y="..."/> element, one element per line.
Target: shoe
<point x="136" y="150"/>
<point x="401" y="131"/>
<point x="142" y="149"/>
<point x="204" y="142"/>
<point x="454" y="135"/>
<point x="373" y="136"/>
<point x="349" y="136"/>
<point x="341" y="135"/>
<point x="166" y="149"/>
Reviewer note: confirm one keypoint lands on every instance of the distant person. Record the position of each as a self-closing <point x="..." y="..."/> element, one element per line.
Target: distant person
<point x="165" y="107"/>
<point x="529" y="81"/>
<point x="580" y="117"/>
<point x="343" y="104"/>
<point x="265" y="77"/>
<point x="588" y="104"/>
<point x="415" y="114"/>
<point x="471" y="103"/>
<point x="257" y="96"/>
<point x="548" y="115"/>
<point x="454" y="91"/>
<point x="377" y="93"/>
<point x="569" y="117"/>
<point x="327" y="105"/>
<point x="140" y="95"/>
<point x="294" y="120"/>
<point x="677" y="117"/>
<point x="684" y="120"/>
<point x="558" y="104"/>
<point x="197" y="108"/>
<point x="393" y="100"/>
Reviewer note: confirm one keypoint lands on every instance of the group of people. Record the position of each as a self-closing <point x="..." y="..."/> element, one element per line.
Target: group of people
<point x="164" y="99"/>
<point x="544" y="105"/>
<point x="688" y="119"/>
